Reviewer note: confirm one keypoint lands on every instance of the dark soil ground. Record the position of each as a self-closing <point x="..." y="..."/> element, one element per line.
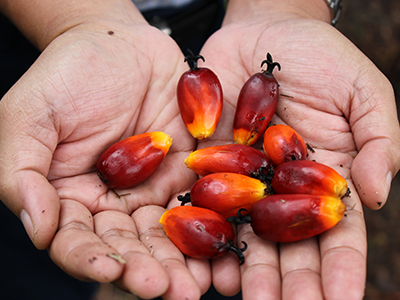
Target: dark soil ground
<point x="374" y="27"/>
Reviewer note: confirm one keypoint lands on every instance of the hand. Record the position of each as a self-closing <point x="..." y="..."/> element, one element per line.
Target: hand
<point x="92" y="86"/>
<point x="344" y="108"/>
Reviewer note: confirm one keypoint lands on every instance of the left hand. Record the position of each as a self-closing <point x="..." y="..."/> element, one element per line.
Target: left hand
<point x="336" y="96"/>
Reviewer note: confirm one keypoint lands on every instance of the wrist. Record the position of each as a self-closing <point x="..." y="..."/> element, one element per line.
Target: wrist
<point x="272" y="11"/>
<point x="41" y="21"/>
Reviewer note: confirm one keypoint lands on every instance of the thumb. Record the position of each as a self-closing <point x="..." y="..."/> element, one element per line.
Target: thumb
<point x="377" y="135"/>
<point x="373" y="170"/>
<point x="35" y="201"/>
<point x="28" y="139"/>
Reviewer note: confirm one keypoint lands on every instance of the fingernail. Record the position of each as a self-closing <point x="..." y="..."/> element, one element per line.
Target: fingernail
<point x="27" y="222"/>
<point x="389" y="179"/>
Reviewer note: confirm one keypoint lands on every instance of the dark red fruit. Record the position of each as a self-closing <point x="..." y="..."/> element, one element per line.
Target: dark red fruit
<point x="308" y="177"/>
<point x="256" y="105"/>
<point x="131" y="161"/>
<point x="290" y="218"/>
<point x="200" y="233"/>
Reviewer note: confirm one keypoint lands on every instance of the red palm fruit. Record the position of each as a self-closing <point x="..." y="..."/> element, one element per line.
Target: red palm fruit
<point x="131" y="161"/>
<point x="290" y="218"/>
<point x="308" y="177"/>
<point x="225" y="193"/>
<point x="283" y="144"/>
<point x="200" y="99"/>
<point x="200" y="233"/>
<point x="256" y="105"/>
<point x="232" y="158"/>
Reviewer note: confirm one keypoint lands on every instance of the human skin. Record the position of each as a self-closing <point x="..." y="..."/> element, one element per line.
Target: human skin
<point x="344" y="107"/>
<point x="99" y="79"/>
<point x="104" y="74"/>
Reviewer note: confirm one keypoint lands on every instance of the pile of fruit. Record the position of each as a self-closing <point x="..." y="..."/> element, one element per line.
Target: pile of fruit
<point x="283" y="195"/>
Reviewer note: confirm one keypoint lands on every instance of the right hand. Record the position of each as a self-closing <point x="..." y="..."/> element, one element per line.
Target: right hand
<point x="344" y="107"/>
<point x="93" y="85"/>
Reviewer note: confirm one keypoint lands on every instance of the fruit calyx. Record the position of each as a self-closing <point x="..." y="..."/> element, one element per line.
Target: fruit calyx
<point x="347" y="194"/>
<point x="192" y="59"/>
<point x="263" y="174"/>
<point x="240" y="219"/>
<point x="184" y="198"/>
<point x="270" y="65"/>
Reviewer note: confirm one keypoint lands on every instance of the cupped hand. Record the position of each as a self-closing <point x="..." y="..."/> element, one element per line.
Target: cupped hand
<point x="92" y="86"/>
<point x="341" y="104"/>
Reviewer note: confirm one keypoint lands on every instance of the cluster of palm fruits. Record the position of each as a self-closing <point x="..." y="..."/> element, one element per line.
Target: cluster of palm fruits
<point x="283" y="195"/>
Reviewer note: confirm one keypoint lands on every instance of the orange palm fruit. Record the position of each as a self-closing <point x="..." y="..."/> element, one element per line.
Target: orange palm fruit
<point x="290" y="218"/>
<point x="131" y="161"/>
<point x="200" y="233"/>
<point x="308" y="177"/>
<point x="232" y="158"/>
<point x="283" y="144"/>
<point x="225" y="193"/>
<point x="256" y="105"/>
<point x="200" y="99"/>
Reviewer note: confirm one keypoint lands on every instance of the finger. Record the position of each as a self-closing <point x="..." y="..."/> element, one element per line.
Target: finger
<point x="226" y="274"/>
<point x="143" y="275"/>
<point x="201" y="271"/>
<point x="343" y="254"/>
<point x="301" y="269"/>
<point x="79" y="251"/>
<point x="182" y="283"/>
<point x="376" y="131"/>
<point x="261" y="278"/>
